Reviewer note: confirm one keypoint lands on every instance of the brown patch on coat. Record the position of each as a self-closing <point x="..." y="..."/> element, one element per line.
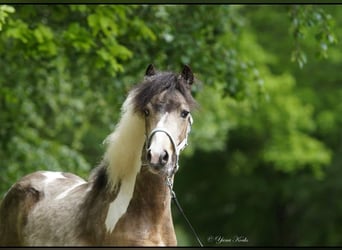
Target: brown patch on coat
<point x="91" y="220"/>
<point x="15" y="208"/>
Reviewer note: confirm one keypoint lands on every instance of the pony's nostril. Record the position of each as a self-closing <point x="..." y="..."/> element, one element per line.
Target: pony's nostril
<point x="164" y="158"/>
<point x="149" y="155"/>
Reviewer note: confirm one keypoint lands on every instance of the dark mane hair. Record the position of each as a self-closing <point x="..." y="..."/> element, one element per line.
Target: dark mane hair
<point x="158" y="83"/>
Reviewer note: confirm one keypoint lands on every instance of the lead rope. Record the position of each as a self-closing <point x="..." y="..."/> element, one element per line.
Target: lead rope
<point x="175" y="200"/>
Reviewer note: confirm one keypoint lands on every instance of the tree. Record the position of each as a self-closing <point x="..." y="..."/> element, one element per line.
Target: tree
<point x="49" y="65"/>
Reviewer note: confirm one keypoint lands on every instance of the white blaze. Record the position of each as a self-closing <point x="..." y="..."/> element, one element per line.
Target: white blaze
<point x="160" y="141"/>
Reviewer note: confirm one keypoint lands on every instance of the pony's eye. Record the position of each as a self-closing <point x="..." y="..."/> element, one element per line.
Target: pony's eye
<point x="146" y="112"/>
<point x="184" y="113"/>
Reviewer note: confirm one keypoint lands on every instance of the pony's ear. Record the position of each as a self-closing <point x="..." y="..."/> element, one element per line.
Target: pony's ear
<point x="187" y="75"/>
<point x="150" y="71"/>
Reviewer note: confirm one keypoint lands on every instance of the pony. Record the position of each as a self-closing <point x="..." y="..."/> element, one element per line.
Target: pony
<point x="126" y="199"/>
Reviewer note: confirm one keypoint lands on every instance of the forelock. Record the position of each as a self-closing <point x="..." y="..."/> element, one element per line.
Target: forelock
<point x="155" y="85"/>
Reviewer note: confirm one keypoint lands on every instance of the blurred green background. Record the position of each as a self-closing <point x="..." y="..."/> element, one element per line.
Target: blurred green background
<point x="264" y="165"/>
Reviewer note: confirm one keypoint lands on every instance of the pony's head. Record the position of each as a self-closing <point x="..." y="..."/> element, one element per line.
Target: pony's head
<point x="164" y="101"/>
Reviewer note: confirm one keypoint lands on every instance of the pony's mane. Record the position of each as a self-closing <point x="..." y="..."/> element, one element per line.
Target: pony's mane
<point x="158" y="83"/>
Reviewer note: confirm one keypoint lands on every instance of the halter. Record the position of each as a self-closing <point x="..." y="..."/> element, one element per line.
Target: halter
<point x="176" y="148"/>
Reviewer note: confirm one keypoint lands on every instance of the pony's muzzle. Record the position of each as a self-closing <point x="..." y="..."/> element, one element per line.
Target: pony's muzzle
<point x="157" y="160"/>
<point x="160" y="150"/>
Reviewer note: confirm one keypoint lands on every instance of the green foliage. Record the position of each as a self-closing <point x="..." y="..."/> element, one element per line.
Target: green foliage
<point x="265" y="148"/>
<point x="5" y="10"/>
<point x="48" y="68"/>
<point x="290" y="145"/>
<point x="315" y="21"/>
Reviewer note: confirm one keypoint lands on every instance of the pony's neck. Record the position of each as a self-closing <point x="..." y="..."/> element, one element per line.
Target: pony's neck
<point x="152" y="199"/>
<point x="150" y="207"/>
<point x="152" y="192"/>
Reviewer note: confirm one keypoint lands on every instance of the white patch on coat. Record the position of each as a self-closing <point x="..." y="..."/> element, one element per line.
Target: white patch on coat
<point x="66" y="192"/>
<point x="119" y="206"/>
<point x="52" y="176"/>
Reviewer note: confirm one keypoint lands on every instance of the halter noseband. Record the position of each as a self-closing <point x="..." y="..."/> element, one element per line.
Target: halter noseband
<point x="176" y="148"/>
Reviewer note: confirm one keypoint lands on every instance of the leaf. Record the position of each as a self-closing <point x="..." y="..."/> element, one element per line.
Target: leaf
<point x="5" y="10"/>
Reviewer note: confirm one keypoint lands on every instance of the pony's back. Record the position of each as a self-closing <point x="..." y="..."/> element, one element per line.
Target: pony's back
<point x="21" y="208"/>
